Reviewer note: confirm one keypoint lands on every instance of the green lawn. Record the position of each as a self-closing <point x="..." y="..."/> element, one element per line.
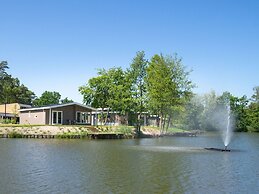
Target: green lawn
<point x="176" y="130"/>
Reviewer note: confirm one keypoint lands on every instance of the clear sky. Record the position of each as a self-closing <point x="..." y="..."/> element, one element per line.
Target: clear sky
<point x="57" y="45"/>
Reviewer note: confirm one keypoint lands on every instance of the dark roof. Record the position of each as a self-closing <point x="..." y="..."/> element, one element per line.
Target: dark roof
<point x="56" y="106"/>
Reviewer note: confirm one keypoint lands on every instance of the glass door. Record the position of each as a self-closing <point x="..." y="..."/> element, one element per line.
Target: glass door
<point x="57" y="117"/>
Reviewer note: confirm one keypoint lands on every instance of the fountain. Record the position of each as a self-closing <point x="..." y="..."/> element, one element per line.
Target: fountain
<point x="227" y="134"/>
<point x="226" y="128"/>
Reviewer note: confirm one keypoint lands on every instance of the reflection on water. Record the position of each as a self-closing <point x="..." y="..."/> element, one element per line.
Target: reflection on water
<point x="160" y="165"/>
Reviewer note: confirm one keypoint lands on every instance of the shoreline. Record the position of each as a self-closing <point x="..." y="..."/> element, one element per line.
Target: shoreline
<point x="84" y="132"/>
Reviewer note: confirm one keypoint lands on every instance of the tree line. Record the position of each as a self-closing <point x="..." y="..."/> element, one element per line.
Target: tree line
<point x="12" y="91"/>
<point x="161" y="86"/>
<point x="201" y="112"/>
<point x="157" y="86"/>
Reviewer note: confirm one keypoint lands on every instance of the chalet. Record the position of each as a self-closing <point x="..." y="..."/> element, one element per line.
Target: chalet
<point x="61" y="114"/>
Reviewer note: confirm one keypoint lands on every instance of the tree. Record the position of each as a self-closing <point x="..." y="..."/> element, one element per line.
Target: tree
<point x="255" y="96"/>
<point x="47" y="98"/>
<point x="168" y="86"/>
<point x="3" y="67"/>
<point x="193" y="113"/>
<point x="239" y="109"/>
<point x="110" y="89"/>
<point x="253" y="112"/>
<point x="3" y="74"/>
<point x="11" y="89"/>
<point x="96" y="91"/>
<point x="137" y="74"/>
<point x="66" y="100"/>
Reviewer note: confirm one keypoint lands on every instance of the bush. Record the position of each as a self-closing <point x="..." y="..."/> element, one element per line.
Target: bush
<point x="126" y="130"/>
<point x="14" y="135"/>
<point x="72" y="135"/>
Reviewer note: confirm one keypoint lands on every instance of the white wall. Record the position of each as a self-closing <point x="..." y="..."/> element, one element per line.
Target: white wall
<point x="33" y="118"/>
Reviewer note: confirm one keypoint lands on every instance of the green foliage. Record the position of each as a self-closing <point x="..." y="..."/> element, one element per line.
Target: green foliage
<point x="110" y="88"/>
<point x="255" y="96"/>
<point x="96" y="91"/>
<point x="126" y="130"/>
<point x="208" y="111"/>
<point x="47" y="98"/>
<point x="3" y="67"/>
<point x="168" y="86"/>
<point x="14" y="134"/>
<point x="175" y="130"/>
<point x="9" y="121"/>
<point x="253" y="112"/>
<point x="11" y="89"/>
<point x="72" y="135"/>
<point x="66" y="100"/>
<point x="239" y="110"/>
<point x="137" y="75"/>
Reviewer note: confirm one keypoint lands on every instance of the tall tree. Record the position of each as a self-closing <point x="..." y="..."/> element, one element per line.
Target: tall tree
<point x="47" y="98"/>
<point x="239" y="109"/>
<point x="110" y="89"/>
<point x="3" y="75"/>
<point x="137" y="74"/>
<point x="96" y="92"/>
<point x="253" y="112"/>
<point x="11" y="89"/>
<point x="3" y="67"/>
<point x="168" y="86"/>
<point x="255" y="96"/>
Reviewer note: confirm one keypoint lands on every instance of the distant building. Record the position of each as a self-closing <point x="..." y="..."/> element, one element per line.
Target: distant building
<point x="61" y="114"/>
<point x="107" y="117"/>
<point x="11" y="111"/>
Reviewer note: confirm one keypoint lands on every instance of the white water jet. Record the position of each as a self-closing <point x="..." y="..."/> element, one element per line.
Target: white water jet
<point x="227" y="132"/>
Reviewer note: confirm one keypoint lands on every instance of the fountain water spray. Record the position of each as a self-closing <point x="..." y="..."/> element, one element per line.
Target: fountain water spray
<point x="227" y="132"/>
<point x="222" y="119"/>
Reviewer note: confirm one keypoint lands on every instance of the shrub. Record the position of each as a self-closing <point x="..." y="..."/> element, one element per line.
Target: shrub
<point x="15" y="135"/>
<point x="126" y="130"/>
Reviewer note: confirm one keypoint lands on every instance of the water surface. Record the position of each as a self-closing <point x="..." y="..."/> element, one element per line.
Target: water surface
<point x="159" y="165"/>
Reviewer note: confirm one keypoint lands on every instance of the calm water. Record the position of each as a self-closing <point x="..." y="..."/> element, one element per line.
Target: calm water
<point x="162" y="165"/>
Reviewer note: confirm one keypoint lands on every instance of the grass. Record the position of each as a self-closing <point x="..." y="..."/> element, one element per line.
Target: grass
<point x="170" y="130"/>
<point x="69" y="135"/>
<point x="176" y="130"/>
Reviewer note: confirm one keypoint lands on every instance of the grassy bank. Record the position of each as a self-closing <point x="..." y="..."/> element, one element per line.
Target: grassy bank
<point x="80" y="131"/>
<point x="64" y="131"/>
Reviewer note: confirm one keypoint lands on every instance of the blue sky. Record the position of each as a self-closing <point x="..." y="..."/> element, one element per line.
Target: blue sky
<point x="57" y="45"/>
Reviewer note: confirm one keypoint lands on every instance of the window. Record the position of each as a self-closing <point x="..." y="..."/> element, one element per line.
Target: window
<point x="57" y="117"/>
<point x="83" y="117"/>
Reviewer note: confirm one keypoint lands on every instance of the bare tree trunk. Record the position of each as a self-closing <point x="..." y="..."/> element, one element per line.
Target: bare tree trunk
<point x="164" y="122"/>
<point x="138" y="123"/>
<point x="161" y="123"/>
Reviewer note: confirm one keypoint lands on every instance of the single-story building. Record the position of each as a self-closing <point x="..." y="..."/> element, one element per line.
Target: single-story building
<point x="61" y="114"/>
<point x="114" y="118"/>
<point x="10" y="111"/>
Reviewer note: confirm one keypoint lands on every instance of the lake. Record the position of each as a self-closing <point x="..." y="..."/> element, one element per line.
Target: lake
<point x="157" y="165"/>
